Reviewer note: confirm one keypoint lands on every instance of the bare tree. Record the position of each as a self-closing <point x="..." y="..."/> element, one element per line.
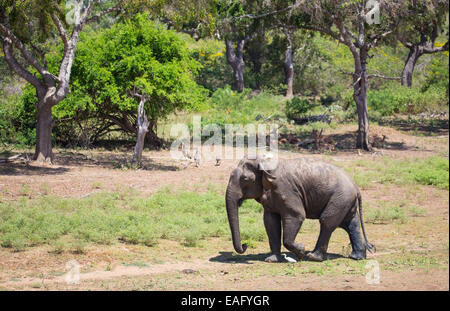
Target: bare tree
<point x="286" y="22"/>
<point x="235" y="57"/>
<point x="346" y="21"/>
<point x="50" y="89"/>
<point x="142" y="129"/>
<point x="421" y="24"/>
<point x="288" y="63"/>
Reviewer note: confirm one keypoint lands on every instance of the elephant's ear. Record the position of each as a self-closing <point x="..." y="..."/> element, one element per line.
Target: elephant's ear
<point x="267" y="177"/>
<point x="267" y="180"/>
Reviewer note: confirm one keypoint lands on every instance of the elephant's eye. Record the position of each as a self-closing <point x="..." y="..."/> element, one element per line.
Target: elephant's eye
<point x="247" y="177"/>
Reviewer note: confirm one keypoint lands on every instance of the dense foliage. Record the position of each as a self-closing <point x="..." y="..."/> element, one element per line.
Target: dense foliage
<point x="186" y="68"/>
<point x="136" y="56"/>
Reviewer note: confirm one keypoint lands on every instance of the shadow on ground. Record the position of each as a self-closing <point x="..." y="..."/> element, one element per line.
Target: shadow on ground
<point x="414" y="126"/>
<point x="13" y="169"/>
<point x="347" y="141"/>
<point x="230" y="257"/>
<point x="424" y="127"/>
<point x="64" y="160"/>
<point x="343" y="142"/>
<point x="110" y="161"/>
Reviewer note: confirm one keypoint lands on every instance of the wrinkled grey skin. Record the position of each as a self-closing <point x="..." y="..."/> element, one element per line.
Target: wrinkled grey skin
<point x="293" y="191"/>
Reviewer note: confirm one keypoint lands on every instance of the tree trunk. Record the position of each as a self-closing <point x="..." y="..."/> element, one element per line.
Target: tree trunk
<point x="255" y="51"/>
<point x="362" y="141"/>
<point x="137" y="156"/>
<point x="50" y="89"/>
<point x="142" y="124"/>
<point x="43" y="150"/>
<point x="238" y="74"/>
<point x="410" y="64"/>
<point x="289" y="68"/>
<point x="361" y="84"/>
<point x="416" y="50"/>
<point x="236" y="61"/>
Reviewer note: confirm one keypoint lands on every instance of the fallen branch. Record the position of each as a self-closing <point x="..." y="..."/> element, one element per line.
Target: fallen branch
<point x="10" y="159"/>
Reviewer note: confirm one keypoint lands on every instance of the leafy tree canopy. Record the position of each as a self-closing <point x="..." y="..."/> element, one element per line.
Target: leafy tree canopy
<point x="134" y="56"/>
<point x="425" y="18"/>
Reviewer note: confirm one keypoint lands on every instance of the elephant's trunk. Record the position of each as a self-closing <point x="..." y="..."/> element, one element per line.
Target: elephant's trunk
<point x="233" y="200"/>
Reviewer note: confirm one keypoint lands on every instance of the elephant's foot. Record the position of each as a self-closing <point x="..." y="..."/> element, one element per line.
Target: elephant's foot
<point x="274" y="258"/>
<point x="316" y="256"/>
<point x="358" y="255"/>
<point x="299" y="250"/>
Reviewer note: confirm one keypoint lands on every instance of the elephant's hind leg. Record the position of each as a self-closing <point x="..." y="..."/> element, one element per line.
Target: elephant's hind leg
<point x="291" y="226"/>
<point x="272" y="223"/>
<point x="331" y="218"/>
<point x="320" y="251"/>
<point x="352" y="228"/>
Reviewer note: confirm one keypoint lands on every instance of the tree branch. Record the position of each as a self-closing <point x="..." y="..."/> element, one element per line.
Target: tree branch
<point x="88" y="12"/>
<point x="432" y="50"/>
<point x="18" y="68"/>
<point x="405" y="43"/>
<point x="41" y="54"/>
<point x="117" y="8"/>
<point x="347" y="41"/>
<point x="324" y="31"/>
<point x="69" y="51"/>
<point x="291" y="7"/>
<point x="378" y="38"/>
<point x="229" y="51"/>
<point x="61" y="30"/>
<point x="23" y="50"/>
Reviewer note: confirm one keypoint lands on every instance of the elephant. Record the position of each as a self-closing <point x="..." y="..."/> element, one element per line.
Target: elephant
<point x="291" y="191"/>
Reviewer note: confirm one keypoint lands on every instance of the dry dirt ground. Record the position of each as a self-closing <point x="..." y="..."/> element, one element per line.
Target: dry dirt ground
<point x="410" y="256"/>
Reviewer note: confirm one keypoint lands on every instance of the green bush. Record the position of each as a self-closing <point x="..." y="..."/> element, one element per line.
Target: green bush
<point x="17" y="120"/>
<point x="297" y="107"/>
<point x="231" y="107"/>
<point x="405" y="100"/>
<point x="226" y="98"/>
<point x="438" y="76"/>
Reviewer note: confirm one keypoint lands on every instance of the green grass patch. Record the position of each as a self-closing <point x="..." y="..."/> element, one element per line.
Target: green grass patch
<point x="126" y="216"/>
<point x="385" y="215"/>
<point x="431" y="171"/>
<point x="413" y="261"/>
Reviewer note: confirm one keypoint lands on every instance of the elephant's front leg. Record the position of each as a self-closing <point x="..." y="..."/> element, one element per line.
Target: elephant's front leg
<point x="272" y="222"/>
<point x="291" y="226"/>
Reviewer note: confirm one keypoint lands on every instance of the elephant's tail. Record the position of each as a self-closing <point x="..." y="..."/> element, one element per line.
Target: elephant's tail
<point x="369" y="246"/>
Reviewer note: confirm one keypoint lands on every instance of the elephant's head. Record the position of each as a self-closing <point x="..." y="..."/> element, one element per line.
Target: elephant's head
<point x="247" y="181"/>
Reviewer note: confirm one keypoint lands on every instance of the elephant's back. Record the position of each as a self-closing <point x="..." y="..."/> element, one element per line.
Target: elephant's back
<point x="320" y="178"/>
<point x="314" y="168"/>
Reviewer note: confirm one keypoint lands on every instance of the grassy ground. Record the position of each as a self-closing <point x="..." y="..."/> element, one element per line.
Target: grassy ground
<point x="184" y="216"/>
<point x="165" y="227"/>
